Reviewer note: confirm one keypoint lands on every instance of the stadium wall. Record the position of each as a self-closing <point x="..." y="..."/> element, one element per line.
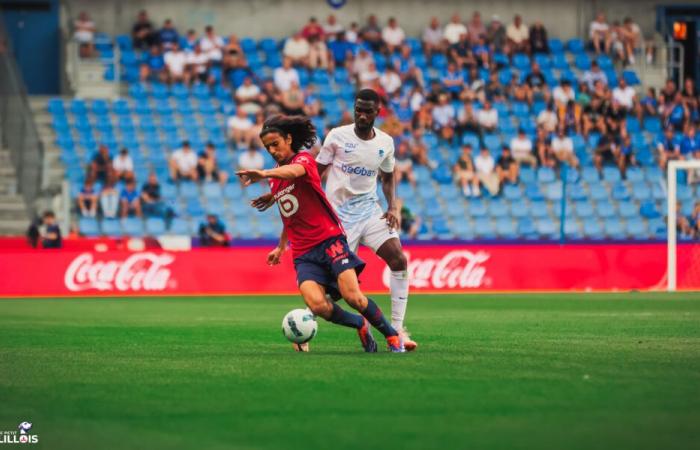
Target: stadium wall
<point x="433" y="267"/>
<point x="281" y="18"/>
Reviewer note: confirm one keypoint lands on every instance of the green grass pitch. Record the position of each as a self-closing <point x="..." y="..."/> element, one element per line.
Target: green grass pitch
<point x="617" y="371"/>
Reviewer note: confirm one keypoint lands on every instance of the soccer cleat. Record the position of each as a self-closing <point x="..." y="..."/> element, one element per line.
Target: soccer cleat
<point x="408" y="343"/>
<point x="365" y="334"/>
<point x="395" y="344"/>
<point x="301" y="347"/>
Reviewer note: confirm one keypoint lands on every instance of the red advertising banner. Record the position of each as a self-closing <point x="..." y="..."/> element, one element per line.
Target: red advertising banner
<point x="432" y="268"/>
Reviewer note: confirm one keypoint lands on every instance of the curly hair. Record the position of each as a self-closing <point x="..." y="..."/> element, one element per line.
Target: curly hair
<point x="300" y="128"/>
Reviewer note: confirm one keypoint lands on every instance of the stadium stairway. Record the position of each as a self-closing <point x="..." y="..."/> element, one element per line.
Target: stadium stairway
<point x="52" y="163"/>
<point x="13" y="211"/>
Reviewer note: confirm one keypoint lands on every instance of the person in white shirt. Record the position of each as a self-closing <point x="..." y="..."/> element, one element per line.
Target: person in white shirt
<point x="625" y="95"/>
<point x="352" y="34"/>
<point x="176" y="62"/>
<point x="332" y="27"/>
<point x="362" y="62"/>
<point x="487" y="117"/>
<point x="183" y="163"/>
<point x="369" y="76"/>
<point x="548" y="119"/>
<point x="85" y="34"/>
<point x="248" y="96"/>
<point x="239" y="128"/>
<point x="454" y="30"/>
<point x="485" y="167"/>
<point x="444" y="116"/>
<point x="283" y="76"/>
<point x="599" y="32"/>
<point x="390" y="81"/>
<point x="212" y="44"/>
<point x="251" y="159"/>
<point x="198" y="65"/>
<point x="433" y="38"/>
<point x="518" y="35"/>
<point x="521" y="149"/>
<point x="297" y="50"/>
<point x="393" y="36"/>
<point x="563" y="148"/>
<point x="563" y="93"/>
<point x="123" y="165"/>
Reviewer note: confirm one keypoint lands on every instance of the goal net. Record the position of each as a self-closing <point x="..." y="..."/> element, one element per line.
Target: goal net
<point x="683" y="249"/>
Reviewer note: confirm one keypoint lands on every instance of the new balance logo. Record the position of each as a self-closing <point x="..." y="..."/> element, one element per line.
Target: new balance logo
<point x="335" y="250"/>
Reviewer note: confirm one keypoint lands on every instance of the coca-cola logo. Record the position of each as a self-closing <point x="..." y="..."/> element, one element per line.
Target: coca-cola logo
<point x="144" y="271"/>
<point x="457" y="269"/>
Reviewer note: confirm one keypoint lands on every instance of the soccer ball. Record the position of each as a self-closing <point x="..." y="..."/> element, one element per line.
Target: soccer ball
<point x="299" y="326"/>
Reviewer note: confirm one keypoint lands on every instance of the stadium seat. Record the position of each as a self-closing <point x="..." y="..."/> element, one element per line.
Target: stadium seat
<point x="155" y="226"/>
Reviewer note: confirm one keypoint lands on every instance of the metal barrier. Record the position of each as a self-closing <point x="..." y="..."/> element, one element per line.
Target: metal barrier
<point x="18" y="131"/>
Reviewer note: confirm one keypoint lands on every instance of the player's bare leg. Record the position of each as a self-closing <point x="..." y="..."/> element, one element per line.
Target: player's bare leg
<point x="349" y="289"/>
<point x="390" y="251"/>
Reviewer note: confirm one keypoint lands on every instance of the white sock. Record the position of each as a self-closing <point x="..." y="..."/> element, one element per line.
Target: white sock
<point x="398" y="286"/>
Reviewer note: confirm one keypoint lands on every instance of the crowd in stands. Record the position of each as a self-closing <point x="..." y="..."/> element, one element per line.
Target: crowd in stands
<point x="461" y="106"/>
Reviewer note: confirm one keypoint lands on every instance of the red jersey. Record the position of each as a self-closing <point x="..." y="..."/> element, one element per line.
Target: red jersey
<point x="306" y="213"/>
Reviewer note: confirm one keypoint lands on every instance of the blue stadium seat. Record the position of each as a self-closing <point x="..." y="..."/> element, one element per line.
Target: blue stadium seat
<point x="89" y="226"/>
<point x="519" y="209"/>
<point x="526" y="228"/>
<point x="538" y="209"/>
<point x="652" y="125"/>
<point x="606" y="209"/>
<point x="521" y="61"/>
<point x="628" y="210"/>
<point x="505" y="228"/>
<point x="620" y="191"/>
<point x="575" y="45"/>
<point x="592" y="229"/>
<point x="614" y="229"/>
<point x="155" y="226"/>
<point x="584" y="210"/>
<point x="582" y="62"/>
<point x="483" y="228"/>
<point x="637" y="229"/>
<point x="512" y="192"/>
<point x="477" y="208"/>
<point x="188" y="190"/>
<point x="456" y="210"/>
<point x="498" y="208"/>
<point x="533" y="192"/>
<point x="546" y="175"/>
<point x="630" y="77"/>
<point x="546" y="228"/>
<point x="133" y="226"/>
<point x="641" y="191"/>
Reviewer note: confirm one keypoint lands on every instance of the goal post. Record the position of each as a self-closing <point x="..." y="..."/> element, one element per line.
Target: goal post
<point x="671" y="216"/>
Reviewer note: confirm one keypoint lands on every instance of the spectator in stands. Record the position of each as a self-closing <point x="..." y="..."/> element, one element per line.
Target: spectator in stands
<point x="563" y="93"/>
<point x="129" y="200"/>
<point x="571" y="117"/>
<point x="87" y="200"/>
<point x="151" y="201"/>
<point x="461" y="54"/>
<point x="419" y="149"/>
<point x="251" y="159"/>
<point x="248" y="96"/>
<point x="617" y="44"/>
<point x="496" y="92"/>
<point x="467" y="121"/>
<point x="683" y="225"/>
<point x="522" y="149"/>
<point x="547" y="119"/>
<point x="285" y="75"/>
<point x="669" y="90"/>
<point x="183" y="163"/>
<point x="615" y="118"/>
<point x="176" y="64"/>
<point x="464" y="173"/>
<point x="51" y="236"/>
<point x="517" y="91"/>
<point x="453" y="80"/>
<point x="168" y="35"/>
<point x="312" y="103"/>
<point x="109" y="201"/>
<point x="313" y="31"/>
<point x="583" y="96"/>
<point x="142" y="33"/>
<point x="208" y="169"/>
<point x="293" y="100"/>
<point x="518" y="36"/>
<point x="695" y="218"/>
<point x="332" y="28"/>
<point x="607" y="151"/>
<point x="507" y="167"/>
<point x="362" y="62"/>
<point x="234" y="58"/>
<point x="390" y="81"/>
<point x="669" y="147"/>
<point x="371" y="33"/>
<point x="482" y="53"/>
<point x="625" y="95"/>
<point x="538" y="38"/>
<point x="690" y="142"/>
<point x="454" y="30"/>
<point x="486" y="172"/>
<point x="239" y="129"/>
<point x="410" y="223"/>
<point x="563" y="148"/>
<point x="543" y="149"/>
<point x="487" y="118"/>
<point x="392" y="125"/>
<point x="123" y="165"/>
<point x="433" y="41"/>
<point x="690" y="100"/>
<point x="297" y="50"/>
<point x="341" y="51"/>
<point x="444" y="118"/>
<point x="190" y="40"/>
<point x="393" y="36"/>
<point x="537" y="85"/>
<point x="496" y="36"/>
<point x="84" y="34"/>
<point x="101" y="166"/>
<point x="593" y="116"/>
<point x="212" y="232"/>
<point x="352" y="34"/>
<point x="675" y="113"/>
<point x="212" y="45"/>
<point x="631" y="38"/>
<point x="599" y="33"/>
<point x="476" y="28"/>
<point x="368" y="78"/>
<point x="627" y="157"/>
<point x="406" y="67"/>
<point x="403" y="169"/>
<point x="594" y="75"/>
<point x="318" y="52"/>
<point x="153" y="69"/>
<point x="649" y="105"/>
<point x="198" y="65"/>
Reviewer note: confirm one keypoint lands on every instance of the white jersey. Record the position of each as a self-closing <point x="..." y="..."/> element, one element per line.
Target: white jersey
<point x="354" y="164"/>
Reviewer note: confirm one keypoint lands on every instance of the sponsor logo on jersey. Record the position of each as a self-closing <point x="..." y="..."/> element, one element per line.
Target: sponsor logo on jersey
<point x="358" y="170"/>
<point x="381" y="152"/>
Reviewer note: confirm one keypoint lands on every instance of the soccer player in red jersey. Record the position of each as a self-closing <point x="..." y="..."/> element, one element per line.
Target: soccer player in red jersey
<point x="322" y="258"/>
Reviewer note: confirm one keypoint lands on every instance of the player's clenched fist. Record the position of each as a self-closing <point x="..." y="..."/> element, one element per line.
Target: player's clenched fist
<point x="263" y="202"/>
<point x="274" y="257"/>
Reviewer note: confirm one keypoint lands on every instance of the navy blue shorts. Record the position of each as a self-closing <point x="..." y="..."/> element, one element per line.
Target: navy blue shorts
<point x="325" y="262"/>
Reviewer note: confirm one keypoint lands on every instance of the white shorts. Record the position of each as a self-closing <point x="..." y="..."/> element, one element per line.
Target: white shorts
<point x="371" y="233"/>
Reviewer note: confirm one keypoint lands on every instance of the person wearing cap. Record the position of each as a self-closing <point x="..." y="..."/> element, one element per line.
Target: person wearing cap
<point x="212" y="232"/>
<point x="183" y="163"/>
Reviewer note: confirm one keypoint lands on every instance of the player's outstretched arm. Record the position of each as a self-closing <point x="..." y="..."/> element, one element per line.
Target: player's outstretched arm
<point x="263" y="202"/>
<point x="392" y="215"/>
<point x="287" y="172"/>
<point x="274" y="257"/>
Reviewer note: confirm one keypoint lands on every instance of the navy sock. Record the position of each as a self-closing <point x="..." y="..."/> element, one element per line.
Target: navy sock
<point x="375" y="316"/>
<point x="341" y="317"/>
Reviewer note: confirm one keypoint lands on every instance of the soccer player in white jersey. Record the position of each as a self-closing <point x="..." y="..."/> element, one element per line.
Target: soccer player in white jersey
<point x="356" y="155"/>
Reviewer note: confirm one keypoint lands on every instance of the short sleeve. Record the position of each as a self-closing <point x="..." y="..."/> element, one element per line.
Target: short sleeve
<point x="387" y="164"/>
<point x="305" y="159"/>
<point x="330" y="144"/>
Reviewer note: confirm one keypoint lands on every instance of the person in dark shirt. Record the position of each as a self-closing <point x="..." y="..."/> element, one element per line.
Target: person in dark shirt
<point x="341" y="49"/>
<point x="371" y="33"/>
<point x="507" y="167"/>
<point x="101" y="166"/>
<point x="168" y="35"/>
<point x="208" y="168"/>
<point x="626" y="156"/>
<point x="151" y="202"/>
<point x="538" y="39"/>
<point x="154" y="67"/>
<point x="607" y="151"/>
<point x="410" y="223"/>
<point x="142" y="33"/>
<point x="615" y="118"/>
<point x="213" y="232"/>
<point x="51" y="238"/>
<point x="537" y="84"/>
<point x="461" y="53"/>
